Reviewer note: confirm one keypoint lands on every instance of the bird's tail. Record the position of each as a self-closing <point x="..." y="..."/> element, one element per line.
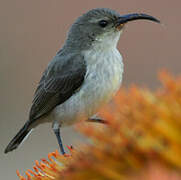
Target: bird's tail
<point x="19" y="138"/>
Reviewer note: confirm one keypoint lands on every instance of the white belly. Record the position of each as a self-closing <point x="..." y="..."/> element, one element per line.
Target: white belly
<point x="102" y="80"/>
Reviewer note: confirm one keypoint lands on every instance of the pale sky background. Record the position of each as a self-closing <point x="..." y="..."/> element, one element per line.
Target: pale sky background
<point x="32" y="31"/>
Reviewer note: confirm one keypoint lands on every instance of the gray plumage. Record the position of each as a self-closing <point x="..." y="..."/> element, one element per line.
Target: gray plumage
<point x="62" y="78"/>
<point x="83" y="76"/>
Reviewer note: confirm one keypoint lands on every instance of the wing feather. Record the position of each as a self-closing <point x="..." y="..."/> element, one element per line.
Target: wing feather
<point x="58" y="83"/>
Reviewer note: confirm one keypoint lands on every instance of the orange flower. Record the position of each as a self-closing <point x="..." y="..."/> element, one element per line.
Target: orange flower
<point x="140" y="141"/>
<point x="48" y="170"/>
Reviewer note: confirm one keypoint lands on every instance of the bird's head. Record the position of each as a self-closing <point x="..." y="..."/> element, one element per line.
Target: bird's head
<point x="101" y="26"/>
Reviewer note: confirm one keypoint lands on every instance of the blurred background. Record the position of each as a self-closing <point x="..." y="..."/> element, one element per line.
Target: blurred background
<point x="31" y="32"/>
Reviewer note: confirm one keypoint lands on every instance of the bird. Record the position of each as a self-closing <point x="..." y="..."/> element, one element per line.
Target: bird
<point x="83" y="76"/>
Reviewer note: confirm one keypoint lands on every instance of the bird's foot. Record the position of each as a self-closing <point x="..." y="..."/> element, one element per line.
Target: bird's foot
<point x="97" y="120"/>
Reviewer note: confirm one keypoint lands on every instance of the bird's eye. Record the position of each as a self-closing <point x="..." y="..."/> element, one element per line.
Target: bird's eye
<point x="103" y="23"/>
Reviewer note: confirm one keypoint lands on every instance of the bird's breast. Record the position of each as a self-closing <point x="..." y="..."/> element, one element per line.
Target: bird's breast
<point x="103" y="77"/>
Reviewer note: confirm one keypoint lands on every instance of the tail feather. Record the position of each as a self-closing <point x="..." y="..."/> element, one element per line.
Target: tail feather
<point x="18" y="139"/>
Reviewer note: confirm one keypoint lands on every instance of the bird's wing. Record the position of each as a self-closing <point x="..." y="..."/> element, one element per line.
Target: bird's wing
<point x="59" y="82"/>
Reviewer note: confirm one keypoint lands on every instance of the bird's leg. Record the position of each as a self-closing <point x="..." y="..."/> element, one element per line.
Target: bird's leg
<point x="97" y="119"/>
<point x="56" y="129"/>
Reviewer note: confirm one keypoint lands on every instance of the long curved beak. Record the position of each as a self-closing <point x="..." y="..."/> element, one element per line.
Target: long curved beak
<point x="136" y="16"/>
